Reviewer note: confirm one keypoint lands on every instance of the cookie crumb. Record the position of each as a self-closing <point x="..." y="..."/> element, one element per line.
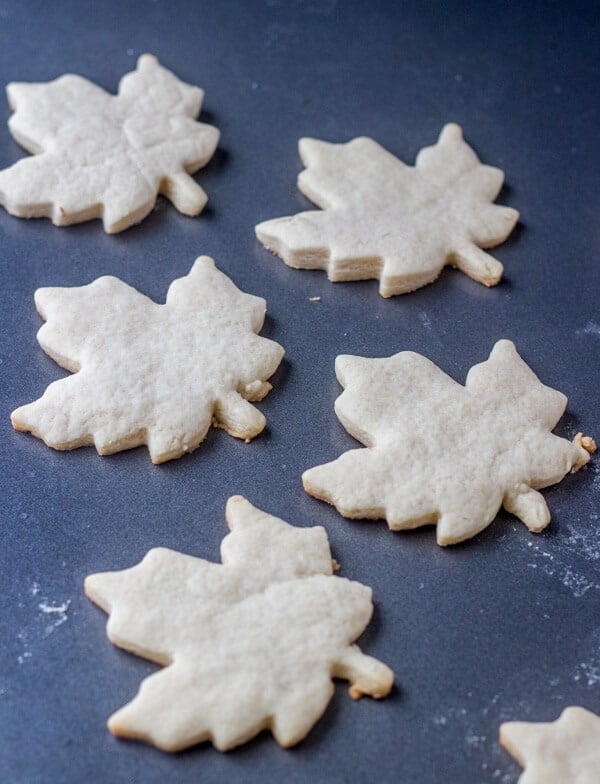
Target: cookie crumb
<point x="585" y="442"/>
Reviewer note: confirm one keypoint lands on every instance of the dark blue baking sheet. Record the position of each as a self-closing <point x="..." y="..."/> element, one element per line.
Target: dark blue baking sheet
<point x="503" y="627"/>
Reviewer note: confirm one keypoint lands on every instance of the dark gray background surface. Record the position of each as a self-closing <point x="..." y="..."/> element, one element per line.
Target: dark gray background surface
<point x="503" y="627"/>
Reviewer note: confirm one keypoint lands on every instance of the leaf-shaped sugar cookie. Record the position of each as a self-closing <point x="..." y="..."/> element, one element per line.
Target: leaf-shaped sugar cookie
<point x="98" y="155"/>
<point x="247" y="645"/>
<point x="565" y="751"/>
<point x="151" y="374"/>
<point x="442" y="453"/>
<point x="383" y="219"/>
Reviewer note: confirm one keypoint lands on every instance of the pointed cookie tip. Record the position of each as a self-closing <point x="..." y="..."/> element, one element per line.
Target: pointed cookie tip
<point x="238" y="511"/>
<point x="347" y="365"/>
<point x="343" y="362"/>
<point x="97" y="588"/>
<point x="18" y="419"/>
<point x="235" y="501"/>
<point x="267" y="233"/>
<point x="306" y="143"/>
<point x="306" y="479"/>
<point x="509" y="730"/>
<point x="309" y="148"/>
<point x="147" y="60"/>
<point x="503" y="346"/>
<point x="117" y="724"/>
<point x="123" y="725"/>
<point x="261" y="229"/>
<point x="202" y="261"/>
<point x="451" y="132"/>
<point x="211" y="132"/>
<point x="512" y="216"/>
<point x="13" y="91"/>
<point x="89" y="585"/>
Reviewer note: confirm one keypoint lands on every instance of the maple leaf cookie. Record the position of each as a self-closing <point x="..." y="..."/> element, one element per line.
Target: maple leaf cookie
<point x="247" y="645"/>
<point x="106" y="156"/>
<point x="566" y="751"/>
<point x="151" y="374"/>
<point x="442" y="453"/>
<point x="383" y="219"/>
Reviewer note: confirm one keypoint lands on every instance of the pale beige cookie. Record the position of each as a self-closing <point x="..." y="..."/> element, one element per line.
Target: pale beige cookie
<point x="566" y="751"/>
<point x="249" y="645"/>
<point x="383" y="219"/>
<point x="442" y="453"/>
<point x="151" y="374"/>
<point x="98" y="155"/>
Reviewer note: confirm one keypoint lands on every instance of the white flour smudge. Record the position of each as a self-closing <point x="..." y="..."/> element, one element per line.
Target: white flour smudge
<point x="476" y="741"/>
<point x="477" y="745"/>
<point x="503" y="778"/>
<point x="23" y="657"/>
<point x="425" y="320"/>
<point x="587" y="542"/>
<point x="588" y="673"/>
<point x="582" y="543"/>
<point x="591" y="328"/>
<point x="57" y="612"/>
<point x="577" y="583"/>
<point x="52" y="614"/>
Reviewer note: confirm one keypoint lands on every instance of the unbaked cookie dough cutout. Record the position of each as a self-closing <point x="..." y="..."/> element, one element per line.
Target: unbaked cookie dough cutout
<point x="442" y="453"/>
<point x="248" y="645"/>
<point x="146" y="373"/>
<point x="384" y="219"/>
<point x="566" y="751"/>
<point x="97" y="155"/>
